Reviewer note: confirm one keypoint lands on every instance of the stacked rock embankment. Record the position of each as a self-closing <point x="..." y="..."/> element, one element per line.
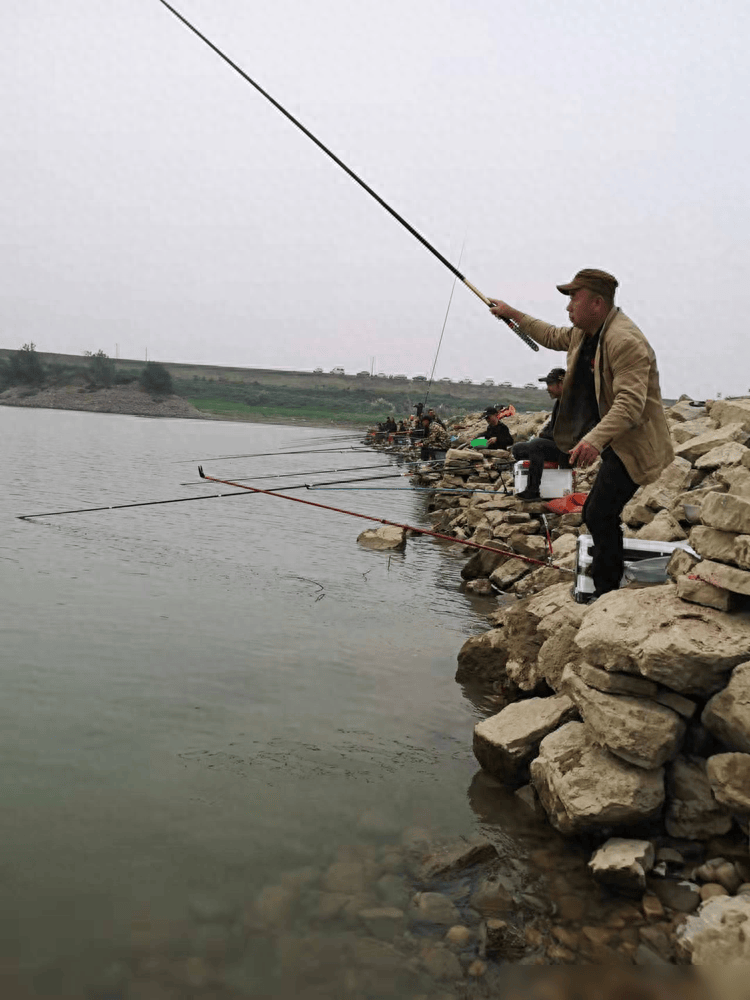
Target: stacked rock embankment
<point x="628" y="720"/>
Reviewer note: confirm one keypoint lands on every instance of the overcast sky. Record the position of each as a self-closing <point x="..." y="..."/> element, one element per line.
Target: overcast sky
<point x="151" y="199"/>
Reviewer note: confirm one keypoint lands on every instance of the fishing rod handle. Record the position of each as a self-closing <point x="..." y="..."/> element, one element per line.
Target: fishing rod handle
<point x="508" y="322"/>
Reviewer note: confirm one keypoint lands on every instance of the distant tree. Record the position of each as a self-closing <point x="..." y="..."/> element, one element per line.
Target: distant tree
<point x="101" y="369"/>
<point x="24" y="367"/>
<point x="156" y="379"/>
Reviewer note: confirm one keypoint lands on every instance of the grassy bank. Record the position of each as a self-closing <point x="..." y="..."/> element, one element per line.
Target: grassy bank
<point x="270" y="395"/>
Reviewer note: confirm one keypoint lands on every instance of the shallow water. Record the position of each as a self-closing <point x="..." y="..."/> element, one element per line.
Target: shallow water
<point x="200" y="699"/>
<point x="199" y="695"/>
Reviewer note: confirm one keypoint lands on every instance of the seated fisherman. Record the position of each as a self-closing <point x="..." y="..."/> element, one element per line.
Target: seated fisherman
<point x="435" y="418"/>
<point x="543" y="448"/>
<point x="390" y="425"/>
<point x="497" y="434"/>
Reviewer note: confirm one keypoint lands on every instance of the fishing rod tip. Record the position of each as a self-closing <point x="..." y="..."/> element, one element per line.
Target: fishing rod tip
<point x="201" y="473"/>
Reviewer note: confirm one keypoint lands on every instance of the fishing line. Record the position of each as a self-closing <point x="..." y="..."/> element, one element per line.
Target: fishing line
<point x="445" y="321"/>
<point x="384" y="204"/>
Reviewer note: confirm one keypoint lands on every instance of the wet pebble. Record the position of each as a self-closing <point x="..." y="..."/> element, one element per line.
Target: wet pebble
<point x="345" y="876"/>
<point x="435" y="908"/>
<point x="459" y="935"/>
<point x="384" y="922"/>
<point x="273" y="905"/>
<point x="711" y="889"/>
<point x="440" y="963"/>
<point x="392" y="889"/>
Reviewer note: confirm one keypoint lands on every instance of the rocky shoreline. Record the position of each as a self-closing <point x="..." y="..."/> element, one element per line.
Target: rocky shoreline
<point x="624" y="724"/>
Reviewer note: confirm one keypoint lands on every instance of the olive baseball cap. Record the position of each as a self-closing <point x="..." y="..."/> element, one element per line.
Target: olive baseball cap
<point x="595" y="280"/>
<point x="556" y="375"/>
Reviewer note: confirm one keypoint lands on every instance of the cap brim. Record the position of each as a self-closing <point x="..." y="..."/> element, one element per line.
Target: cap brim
<point x="545" y="379"/>
<point x="572" y="286"/>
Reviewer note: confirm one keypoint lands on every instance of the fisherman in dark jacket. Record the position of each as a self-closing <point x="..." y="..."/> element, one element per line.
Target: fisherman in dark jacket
<point x="497" y="434"/>
<point x="543" y="448"/>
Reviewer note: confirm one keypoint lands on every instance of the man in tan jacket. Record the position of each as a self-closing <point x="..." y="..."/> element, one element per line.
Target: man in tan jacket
<point x="610" y="407"/>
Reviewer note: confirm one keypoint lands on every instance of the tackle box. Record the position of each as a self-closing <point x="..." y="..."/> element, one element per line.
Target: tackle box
<point x="556" y="482"/>
<point x="636" y="550"/>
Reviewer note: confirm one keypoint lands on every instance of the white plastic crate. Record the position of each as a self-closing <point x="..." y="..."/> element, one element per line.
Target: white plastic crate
<point x="634" y="550"/>
<point x="555" y="482"/>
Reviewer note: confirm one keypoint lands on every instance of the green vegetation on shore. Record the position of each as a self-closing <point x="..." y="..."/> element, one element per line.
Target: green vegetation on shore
<point x="261" y="394"/>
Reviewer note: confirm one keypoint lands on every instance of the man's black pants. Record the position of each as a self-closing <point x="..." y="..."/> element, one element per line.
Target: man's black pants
<point x="537" y="451"/>
<point x="612" y="489"/>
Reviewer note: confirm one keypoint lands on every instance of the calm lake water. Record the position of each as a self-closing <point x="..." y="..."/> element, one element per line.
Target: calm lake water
<point x="198" y="697"/>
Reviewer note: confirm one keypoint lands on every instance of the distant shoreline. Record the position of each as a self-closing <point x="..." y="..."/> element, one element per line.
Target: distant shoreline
<point x="129" y="400"/>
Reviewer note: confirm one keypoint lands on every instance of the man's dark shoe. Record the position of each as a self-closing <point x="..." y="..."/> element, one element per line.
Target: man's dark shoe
<point x="527" y="495"/>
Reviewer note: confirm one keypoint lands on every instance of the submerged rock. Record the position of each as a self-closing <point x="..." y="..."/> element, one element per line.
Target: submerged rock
<point x="383" y="538"/>
<point x="623" y="864"/>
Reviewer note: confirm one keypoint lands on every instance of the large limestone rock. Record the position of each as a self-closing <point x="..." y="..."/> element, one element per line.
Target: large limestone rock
<point x="675" y="479"/>
<point x="383" y="539"/>
<point x="651" y="632"/>
<point x="697" y="446"/>
<point x="623" y="864"/>
<point x="727" y="714"/>
<point x="483" y="563"/>
<point x="692" y="810"/>
<point x="742" y="551"/>
<point x="584" y="787"/>
<point x="614" y="683"/>
<point x="505" y="743"/>
<point x="663" y="528"/>
<point x="637" y="730"/>
<point x="710" y="543"/>
<point x="726" y="512"/>
<point x="723" y="456"/>
<point x="721" y="575"/>
<point x="524" y="640"/>
<point x="737" y="479"/>
<point x="510" y="572"/>
<point x="732" y="411"/>
<point x="684" y="411"/>
<point x="700" y="592"/>
<point x="483" y="657"/>
<point x="729" y="777"/>
<point x="719" y="935"/>
<point x="558" y="630"/>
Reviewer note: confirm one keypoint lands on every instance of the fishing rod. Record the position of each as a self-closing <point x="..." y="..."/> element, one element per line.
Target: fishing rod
<point x="384" y="204"/>
<point x="307" y="472"/>
<point x="280" y="454"/>
<point x="383" y="520"/>
<point x="208" y="496"/>
<point x="326" y="472"/>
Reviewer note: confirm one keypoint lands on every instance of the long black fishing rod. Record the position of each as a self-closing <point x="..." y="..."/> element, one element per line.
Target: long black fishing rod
<point x="384" y="204"/>
<point x="307" y="472"/>
<point x="281" y="454"/>
<point x="208" y="496"/>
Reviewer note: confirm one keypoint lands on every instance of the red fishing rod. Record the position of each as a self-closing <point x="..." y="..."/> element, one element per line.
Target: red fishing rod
<point x="383" y="520"/>
<point x="384" y="204"/>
